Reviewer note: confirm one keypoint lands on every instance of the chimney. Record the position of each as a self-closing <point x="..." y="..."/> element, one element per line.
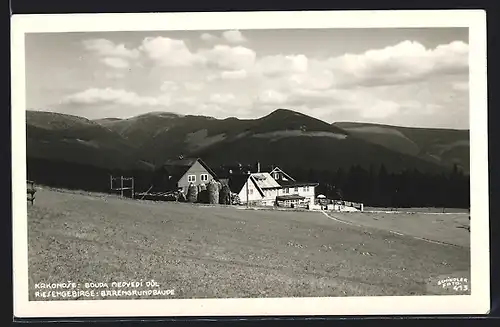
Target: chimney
<point x="258" y="167"/>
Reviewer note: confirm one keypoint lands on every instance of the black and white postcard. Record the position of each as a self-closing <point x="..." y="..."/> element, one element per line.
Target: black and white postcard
<point x="250" y="163"/>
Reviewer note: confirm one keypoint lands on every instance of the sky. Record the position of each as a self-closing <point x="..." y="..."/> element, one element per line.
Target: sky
<point x="404" y="77"/>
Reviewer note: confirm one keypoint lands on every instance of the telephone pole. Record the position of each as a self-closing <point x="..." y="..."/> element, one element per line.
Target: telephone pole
<point x="248" y="200"/>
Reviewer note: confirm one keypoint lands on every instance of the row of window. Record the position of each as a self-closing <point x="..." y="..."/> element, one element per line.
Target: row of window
<point x="203" y="178"/>
<point x="286" y="190"/>
<point x="296" y="189"/>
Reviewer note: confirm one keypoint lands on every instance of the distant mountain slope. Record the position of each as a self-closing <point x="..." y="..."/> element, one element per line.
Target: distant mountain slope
<point x="284" y="137"/>
<point x="70" y="138"/>
<point x="317" y="153"/>
<point x="140" y="129"/>
<point x="161" y="136"/>
<point x="441" y="146"/>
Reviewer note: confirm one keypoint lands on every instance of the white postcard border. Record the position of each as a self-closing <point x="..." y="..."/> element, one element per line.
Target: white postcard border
<point x="476" y="303"/>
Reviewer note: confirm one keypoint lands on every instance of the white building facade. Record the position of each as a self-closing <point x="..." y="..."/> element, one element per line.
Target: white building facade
<point x="276" y="188"/>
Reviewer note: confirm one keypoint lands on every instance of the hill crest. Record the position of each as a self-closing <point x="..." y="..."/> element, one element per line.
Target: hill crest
<point x="282" y="137"/>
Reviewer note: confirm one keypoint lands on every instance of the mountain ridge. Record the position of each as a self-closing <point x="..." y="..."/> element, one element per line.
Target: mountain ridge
<point x="446" y="146"/>
<point x="286" y="137"/>
<point x="347" y="124"/>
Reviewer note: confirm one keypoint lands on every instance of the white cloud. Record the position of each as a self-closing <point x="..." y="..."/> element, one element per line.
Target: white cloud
<point x="272" y="97"/>
<point x="316" y="80"/>
<point x="327" y="102"/>
<point x="190" y="101"/>
<point x="404" y="83"/>
<point x="114" y="75"/>
<point x="316" y="98"/>
<point x="113" y="55"/>
<point x="175" y="53"/>
<point x="107" y="48"/>
<point x="378" y="109"/>
<point x="118" y="63"/>
<point x="207" y="37"/>
<point x="169" y="52"/>
<point x="234" y="36"/>
<point x="169" y="86"/>
<point x="229" y="58"/>
<point x="229" y="75"/>
<point x="364" y="105"/>
<point x="94" y="96"/>
<point x="222" y="98"/>
<point x="279" y="65"/>
<point x="193" y="86"/>
<point x="234" y="74"/>
<point x="405" y="62"/>
<point x="210" y="109"/>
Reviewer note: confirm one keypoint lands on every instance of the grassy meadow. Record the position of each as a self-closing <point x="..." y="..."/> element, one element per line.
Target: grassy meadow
<point x="222" y="252"/>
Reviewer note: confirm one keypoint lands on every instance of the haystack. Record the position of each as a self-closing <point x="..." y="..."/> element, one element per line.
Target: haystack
<point x="192" y="193"/>
<point x="213" y="192"/>
<point x="225" y="194"/>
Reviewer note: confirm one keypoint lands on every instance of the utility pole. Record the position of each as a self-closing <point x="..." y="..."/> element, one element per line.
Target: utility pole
<point x="132" y="187"/>
<point x="121" y="188"/>
<point x="248" y="200"/>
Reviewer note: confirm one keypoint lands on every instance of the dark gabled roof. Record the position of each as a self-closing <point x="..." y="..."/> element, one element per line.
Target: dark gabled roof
<point x="178" y="167"/>
<point x="207" y="168"/>
<point x="279" y="170"/>
<point x="290" y="197"/>
<point x="237" y="181"/>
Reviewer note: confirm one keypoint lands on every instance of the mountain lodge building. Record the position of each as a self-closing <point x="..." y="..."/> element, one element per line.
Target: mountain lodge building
<point x="274" y="188"/>
<point x="178" y="174"/>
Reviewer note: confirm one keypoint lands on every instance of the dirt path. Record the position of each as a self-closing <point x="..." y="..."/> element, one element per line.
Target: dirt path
<point x="446" y="229"/>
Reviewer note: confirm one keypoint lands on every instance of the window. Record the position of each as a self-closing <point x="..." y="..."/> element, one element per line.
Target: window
<point x="306" y="188"/>
<point x="191" y="178"/>
<point x="296" y="189"/>
<point x="285" y="190"/>
<point x="204" y="177"/>
<point x="250" y="191"/>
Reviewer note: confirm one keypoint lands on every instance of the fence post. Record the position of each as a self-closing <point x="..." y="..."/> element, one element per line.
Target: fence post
<point x="132" y="187"/>
<point x="31" y="190"/>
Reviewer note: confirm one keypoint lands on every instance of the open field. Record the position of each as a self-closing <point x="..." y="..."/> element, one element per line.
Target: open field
<point x="203" y="252"/>
<point x="445" y="228"/>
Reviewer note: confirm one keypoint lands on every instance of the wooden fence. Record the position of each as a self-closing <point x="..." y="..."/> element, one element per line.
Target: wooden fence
<point x="31" y="190"/>
<point x="121" y="188"/>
